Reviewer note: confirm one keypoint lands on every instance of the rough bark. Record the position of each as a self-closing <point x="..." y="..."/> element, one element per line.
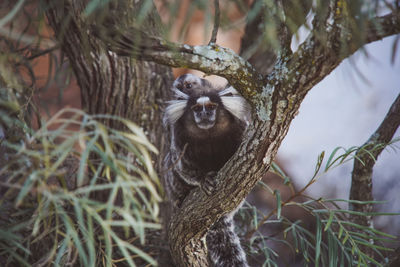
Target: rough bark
<point x="111" y="84"/>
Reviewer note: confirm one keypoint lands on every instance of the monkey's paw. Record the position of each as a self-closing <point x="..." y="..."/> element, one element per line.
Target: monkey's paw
<point x="209" y="183"/>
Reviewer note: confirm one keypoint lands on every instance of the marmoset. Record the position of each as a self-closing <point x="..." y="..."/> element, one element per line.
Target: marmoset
<point x="207" y="124"/>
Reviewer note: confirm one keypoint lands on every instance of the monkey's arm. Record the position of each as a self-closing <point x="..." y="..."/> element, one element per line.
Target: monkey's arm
<point x="194" y="176"/>
<point x="181" y="179"/>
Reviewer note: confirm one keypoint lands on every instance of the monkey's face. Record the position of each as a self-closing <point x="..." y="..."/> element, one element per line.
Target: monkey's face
<point x="204" y="112"/>
<point x="188" y="83"/>
<point x="201" y="108"/>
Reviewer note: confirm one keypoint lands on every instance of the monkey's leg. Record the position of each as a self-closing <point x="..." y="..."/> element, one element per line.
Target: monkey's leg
<point x="223" y="244"/>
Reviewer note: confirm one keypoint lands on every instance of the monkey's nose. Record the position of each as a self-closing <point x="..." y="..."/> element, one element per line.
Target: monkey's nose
<point x="205" y="114"/>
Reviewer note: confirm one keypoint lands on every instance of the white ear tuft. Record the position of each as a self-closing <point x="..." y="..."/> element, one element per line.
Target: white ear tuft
<point x="180" y="94"/>
<point x="235" y="103"/>
<point x="227" y="91"/>
<point x="174" y="111"/>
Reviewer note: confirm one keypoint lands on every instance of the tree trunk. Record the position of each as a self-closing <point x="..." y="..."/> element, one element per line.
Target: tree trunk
<point x="111" y="84"/>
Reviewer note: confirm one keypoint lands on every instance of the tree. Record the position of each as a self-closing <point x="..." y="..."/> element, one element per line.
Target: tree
<point x="123" y="60"/>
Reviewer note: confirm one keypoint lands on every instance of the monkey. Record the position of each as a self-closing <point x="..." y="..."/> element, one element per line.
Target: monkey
<point x="206" y="125"/>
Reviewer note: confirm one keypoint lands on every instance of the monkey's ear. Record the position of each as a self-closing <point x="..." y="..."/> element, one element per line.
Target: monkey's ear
<point x="174" y="111"/>
<point x="235" y="104"/>
<point x="229" y="91"/>
<point x="179" y="95"/>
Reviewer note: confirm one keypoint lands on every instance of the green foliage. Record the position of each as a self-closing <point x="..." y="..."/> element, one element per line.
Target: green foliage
<point x="327" y="236"/>
<point x="334" y="240"/>
<point x="78" y="192"/>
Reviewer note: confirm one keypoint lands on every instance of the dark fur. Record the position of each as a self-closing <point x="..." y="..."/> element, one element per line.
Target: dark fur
<point x="196" y="156"/>
<point x="209" y="149"/>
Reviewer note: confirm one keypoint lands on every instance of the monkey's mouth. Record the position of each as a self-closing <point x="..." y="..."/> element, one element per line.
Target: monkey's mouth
<point x="205" y="124"/>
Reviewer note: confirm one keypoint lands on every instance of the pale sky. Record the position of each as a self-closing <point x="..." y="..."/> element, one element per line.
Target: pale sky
<point x="344" y="110"/>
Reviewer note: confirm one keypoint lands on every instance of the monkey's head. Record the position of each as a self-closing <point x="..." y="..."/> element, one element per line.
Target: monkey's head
<point x="202" y="108"/>
<point x="188" y="83"/>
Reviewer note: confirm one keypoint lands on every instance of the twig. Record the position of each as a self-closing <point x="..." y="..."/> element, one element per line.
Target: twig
<point x="250" y="232"/>
<point x="12" y="13"/>
<point x="217" y="14"/>
<point x="43" y="52"/>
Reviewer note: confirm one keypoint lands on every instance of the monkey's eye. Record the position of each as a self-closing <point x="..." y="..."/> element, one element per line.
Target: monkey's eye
<point x="188" y="85"/>
<point x="207" y="107"/>
<point x="197" y="108"/>
<point x="211" y="106"/>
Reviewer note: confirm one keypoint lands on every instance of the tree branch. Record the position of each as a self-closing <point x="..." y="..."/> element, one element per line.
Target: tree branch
<point x="324" y="57"/>
<point x="365" y="158"/>
<point x="211" y="59"/>
<point x="217" y="15"/>
<point x="383" y="27"/>
<point x="361" y="183"/>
